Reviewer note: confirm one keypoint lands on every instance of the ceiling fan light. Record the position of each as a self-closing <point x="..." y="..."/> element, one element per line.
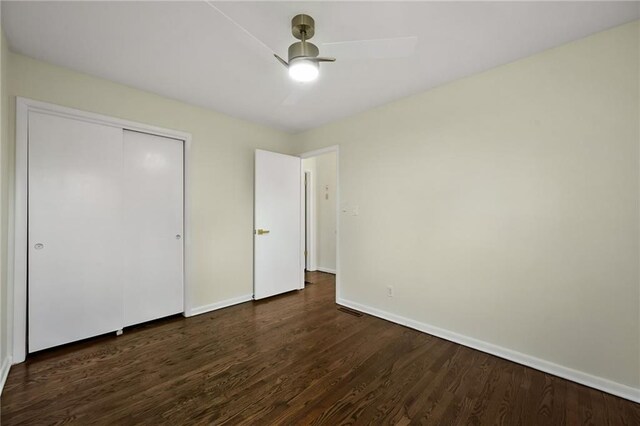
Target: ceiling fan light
<point x="303" y="70"/>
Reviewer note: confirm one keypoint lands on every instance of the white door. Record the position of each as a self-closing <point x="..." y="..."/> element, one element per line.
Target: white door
<point x="153" y="230"/>
<point x="278" y="232"/>
<point x="75" y="225"/>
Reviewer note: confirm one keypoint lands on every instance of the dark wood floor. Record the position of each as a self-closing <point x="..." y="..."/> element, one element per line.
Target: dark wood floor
<point x="292" y="359"/>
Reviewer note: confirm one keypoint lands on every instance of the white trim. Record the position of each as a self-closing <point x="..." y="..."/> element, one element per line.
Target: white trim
<point x="586" y="379"/>
<point x="4" y="372"/>
<point x="327" y="270"/>
<point x="18" y="285"/>
<point x="315" y="153"/>
<point x="321" y="151"/>
<point x="219" y="305"/>
<point x="76" y="114"/>
<point x="303" y="236"/>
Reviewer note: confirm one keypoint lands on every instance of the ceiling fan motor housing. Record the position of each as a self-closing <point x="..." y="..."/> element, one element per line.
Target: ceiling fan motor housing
<point x="303" y="49"/>
<point x="303" y="27"/>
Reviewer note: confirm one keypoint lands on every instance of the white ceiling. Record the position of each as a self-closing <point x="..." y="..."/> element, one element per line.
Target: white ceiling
<point x="191" y="52"/>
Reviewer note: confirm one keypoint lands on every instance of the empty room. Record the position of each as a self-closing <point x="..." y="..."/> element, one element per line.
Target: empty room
<point x="319" y="212"/>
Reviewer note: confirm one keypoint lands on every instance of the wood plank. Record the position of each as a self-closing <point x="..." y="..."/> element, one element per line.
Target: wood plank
<point x="291" y="359"/>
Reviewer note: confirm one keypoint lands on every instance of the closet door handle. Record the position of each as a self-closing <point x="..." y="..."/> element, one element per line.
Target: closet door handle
<point x="178" y="236"/>
<point x="38" y="246"/>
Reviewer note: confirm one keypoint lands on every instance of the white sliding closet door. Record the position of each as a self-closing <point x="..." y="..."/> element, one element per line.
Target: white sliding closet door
<point x="75" y="230"/>
<point x="153" y="237"/>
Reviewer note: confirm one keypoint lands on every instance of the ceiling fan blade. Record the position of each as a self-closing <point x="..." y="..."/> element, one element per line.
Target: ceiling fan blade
<point x="382" y="48"/>
<point x="282" y="61"/>
<point x="237" y="24"/>
<point x="323" y="59"/>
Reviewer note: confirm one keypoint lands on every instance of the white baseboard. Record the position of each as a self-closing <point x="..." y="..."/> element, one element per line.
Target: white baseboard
<point x="327" y="270"/>
<point x="4" y="372"/>
<point x="218" y="305"/>
<point x="586" y="379"/>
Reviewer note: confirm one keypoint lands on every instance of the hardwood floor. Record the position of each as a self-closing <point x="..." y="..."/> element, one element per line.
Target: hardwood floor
<point x="292" y="359"/>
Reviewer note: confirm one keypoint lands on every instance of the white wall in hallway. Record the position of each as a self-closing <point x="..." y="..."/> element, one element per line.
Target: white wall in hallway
<point x="323" y="170"/>
<point x="325" y="183"/>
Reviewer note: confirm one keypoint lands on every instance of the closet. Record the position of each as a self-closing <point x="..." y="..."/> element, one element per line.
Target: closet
<point x="105" y="228"/>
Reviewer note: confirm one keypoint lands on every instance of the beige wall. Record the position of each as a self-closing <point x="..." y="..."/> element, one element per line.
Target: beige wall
<point x="221" y="166"/>
<point x="504" y="206"/>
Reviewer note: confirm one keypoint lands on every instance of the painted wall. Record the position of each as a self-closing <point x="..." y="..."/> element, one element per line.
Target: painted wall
<point x="221" y="166"/>
<point x="326" y="211"/>
<point x="504" y="206"/>
<point x="323" y="169"/>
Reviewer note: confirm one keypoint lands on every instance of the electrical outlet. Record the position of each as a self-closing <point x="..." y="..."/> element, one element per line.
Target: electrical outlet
<point x="389" y="291"/>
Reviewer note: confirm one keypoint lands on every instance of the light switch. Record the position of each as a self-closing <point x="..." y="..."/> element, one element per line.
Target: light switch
<point x="350" y="210"/>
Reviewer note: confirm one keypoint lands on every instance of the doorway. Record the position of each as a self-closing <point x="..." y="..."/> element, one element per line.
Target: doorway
<point x="320" y="172"/>
<point x="282" y="248"/>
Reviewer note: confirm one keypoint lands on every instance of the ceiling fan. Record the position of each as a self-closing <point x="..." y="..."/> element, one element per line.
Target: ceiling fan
<point x="303" y="56"/>
<point x="303" y="60"/>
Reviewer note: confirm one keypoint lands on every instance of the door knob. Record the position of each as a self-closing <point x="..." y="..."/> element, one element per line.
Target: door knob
<point x="38" y="246"/>
<point x="262" y="231"/>
<point x="178" y="236"/>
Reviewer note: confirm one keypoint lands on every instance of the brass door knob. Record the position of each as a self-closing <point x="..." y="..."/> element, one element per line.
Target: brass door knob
<point x="262" y="231"/>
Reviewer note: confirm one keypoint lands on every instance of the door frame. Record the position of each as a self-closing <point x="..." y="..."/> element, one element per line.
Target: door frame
<point x="315" y="153"/>
<point x="18" y="219"/>
<point x="310" y="217"/>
